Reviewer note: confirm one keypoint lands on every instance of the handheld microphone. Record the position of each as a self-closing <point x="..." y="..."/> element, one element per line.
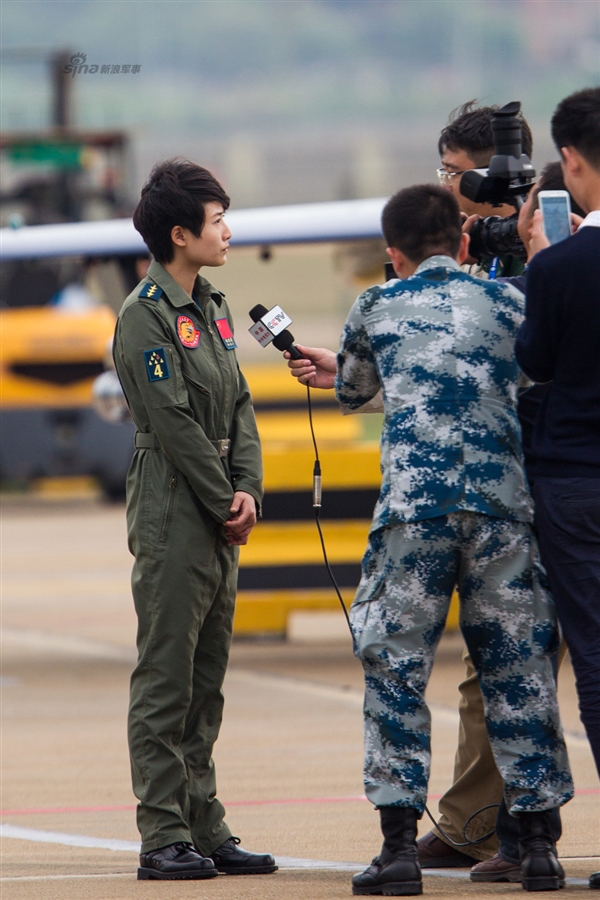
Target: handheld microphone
<point x="271" y="327"/>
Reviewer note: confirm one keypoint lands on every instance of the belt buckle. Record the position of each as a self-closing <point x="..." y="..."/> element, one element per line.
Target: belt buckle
<point x="224" y="446"/>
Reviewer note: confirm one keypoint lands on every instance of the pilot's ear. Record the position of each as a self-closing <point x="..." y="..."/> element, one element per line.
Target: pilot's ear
<point x="177" y="236"/>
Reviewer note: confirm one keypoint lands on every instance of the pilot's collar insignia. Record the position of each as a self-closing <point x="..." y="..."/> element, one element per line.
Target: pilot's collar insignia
<point x="151" y="290"/>
<point x="225" y="333"/>
<point x="187" y="332"/>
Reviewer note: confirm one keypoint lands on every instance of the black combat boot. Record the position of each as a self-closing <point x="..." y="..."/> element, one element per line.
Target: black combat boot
<point x="176" y="861"/>
<point x="540" y="869"/>
<point x="231" y="859"/>
<point x="396" y="871"/>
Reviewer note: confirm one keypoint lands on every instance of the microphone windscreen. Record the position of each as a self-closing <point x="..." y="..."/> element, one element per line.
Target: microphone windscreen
<point x="284" y="340"/>
<point x="258" y="311"/>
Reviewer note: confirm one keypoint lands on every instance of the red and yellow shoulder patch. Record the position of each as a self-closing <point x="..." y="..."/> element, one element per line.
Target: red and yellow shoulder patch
<point x="187" y="332"/>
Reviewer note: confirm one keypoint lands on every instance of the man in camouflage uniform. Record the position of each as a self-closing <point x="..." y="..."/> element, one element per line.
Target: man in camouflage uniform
<point x="453" y="510"/>
<point x="193" y="491"/>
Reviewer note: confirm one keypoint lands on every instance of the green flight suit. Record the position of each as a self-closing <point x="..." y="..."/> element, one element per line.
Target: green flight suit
<point x="187" y="396"/>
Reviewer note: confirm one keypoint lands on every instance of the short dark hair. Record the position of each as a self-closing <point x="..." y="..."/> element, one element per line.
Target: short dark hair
<point x="175" y="194"/>
<point x="551" y="179"/>
<point x="422" y="221"/>
<point x="469" y="128"/>
<point x="576" y="123"/>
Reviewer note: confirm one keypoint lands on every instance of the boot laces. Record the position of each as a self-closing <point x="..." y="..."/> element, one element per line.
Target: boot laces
<point x="185" y="846"/>
<point x="231" y="841"/>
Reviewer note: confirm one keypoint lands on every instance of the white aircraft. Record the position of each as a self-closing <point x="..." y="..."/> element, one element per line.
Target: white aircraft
<point x="54" y="364"/>
<point x="344" y="220"/>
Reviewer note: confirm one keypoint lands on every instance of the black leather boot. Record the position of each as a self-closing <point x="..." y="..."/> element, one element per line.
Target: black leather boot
<point x="540" y="869"/>
<point x="174" y="862"/>
<point x="231" y="859"/>
<point x="396" y="871"/>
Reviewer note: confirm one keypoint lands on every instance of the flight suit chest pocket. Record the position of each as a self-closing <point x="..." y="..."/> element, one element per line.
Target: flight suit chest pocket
<point x="164" y="385"/>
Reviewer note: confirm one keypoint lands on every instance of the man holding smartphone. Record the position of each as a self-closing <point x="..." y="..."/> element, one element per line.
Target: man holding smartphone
<point x="559" y="342"/>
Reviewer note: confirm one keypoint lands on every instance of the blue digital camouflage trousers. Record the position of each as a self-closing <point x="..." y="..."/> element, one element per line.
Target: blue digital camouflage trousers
<point x="507" y="619"/>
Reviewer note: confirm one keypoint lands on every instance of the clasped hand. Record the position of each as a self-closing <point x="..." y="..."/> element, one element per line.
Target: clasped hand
<point x="242" y="519"/>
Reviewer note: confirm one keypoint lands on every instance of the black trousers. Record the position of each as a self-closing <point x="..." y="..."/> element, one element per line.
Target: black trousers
<point x="567" y="514"/>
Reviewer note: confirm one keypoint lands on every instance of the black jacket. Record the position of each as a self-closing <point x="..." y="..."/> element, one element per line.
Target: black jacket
<point x="559" y="342"/>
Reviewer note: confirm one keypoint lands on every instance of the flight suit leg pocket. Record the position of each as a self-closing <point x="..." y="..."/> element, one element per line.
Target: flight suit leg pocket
<point x="156" y="504"/>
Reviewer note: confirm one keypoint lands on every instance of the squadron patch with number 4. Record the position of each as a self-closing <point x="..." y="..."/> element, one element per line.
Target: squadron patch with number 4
<point x="156" y="364"/>
<point x="187" y="332"/>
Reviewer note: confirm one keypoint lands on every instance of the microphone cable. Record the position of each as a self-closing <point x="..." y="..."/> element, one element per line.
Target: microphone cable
<point x="317" y="499"/>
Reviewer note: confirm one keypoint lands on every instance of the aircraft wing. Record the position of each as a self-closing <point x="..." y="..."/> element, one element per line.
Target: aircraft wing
<point x="343" y="220"/>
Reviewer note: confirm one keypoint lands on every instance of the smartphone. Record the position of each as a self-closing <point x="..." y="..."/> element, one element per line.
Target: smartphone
<point x="556" y="213"/>
<point x="388" y="271"/>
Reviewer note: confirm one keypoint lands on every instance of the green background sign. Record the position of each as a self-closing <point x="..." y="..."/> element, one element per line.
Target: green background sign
<point x="59" y="155"/>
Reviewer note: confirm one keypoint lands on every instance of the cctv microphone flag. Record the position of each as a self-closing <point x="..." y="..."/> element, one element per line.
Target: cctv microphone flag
<point x="261" y="333"/>
<point x="276" y="320"/>
<point x="270" y="325"/>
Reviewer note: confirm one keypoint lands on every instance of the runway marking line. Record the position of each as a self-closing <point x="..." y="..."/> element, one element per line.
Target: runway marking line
<point x="285" y="862"/>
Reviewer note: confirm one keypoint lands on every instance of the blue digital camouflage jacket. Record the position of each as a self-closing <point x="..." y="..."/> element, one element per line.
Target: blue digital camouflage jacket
<point x="440" y="344"/>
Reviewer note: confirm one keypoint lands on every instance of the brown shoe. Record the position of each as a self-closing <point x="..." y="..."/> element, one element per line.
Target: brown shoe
<point x="496" y="869"/>
<point x="435" y="854"/>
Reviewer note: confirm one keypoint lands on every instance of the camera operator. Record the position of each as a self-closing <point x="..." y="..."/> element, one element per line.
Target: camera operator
<point x="438" y="516"/>
<point x="559" y="343"/>
<point x="466" y="143"/>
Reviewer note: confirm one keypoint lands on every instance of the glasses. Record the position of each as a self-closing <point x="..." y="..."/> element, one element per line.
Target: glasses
<point x="445" y="178"/>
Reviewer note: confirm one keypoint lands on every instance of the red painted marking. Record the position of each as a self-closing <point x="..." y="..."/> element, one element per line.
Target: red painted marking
<point x="33" y="811"/>
<point x="81" y="809"/>
<point x="62" y="809"/>
<point x="296" y="801"/>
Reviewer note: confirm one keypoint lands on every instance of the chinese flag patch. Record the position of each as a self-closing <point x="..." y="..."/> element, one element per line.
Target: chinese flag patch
<point x="225" y="333"/>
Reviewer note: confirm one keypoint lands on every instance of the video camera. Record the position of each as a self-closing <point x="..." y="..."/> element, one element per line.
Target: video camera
<point x="507" y="180"/>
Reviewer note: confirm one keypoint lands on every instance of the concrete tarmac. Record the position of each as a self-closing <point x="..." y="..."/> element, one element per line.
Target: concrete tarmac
<point x="288" y="758"/>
